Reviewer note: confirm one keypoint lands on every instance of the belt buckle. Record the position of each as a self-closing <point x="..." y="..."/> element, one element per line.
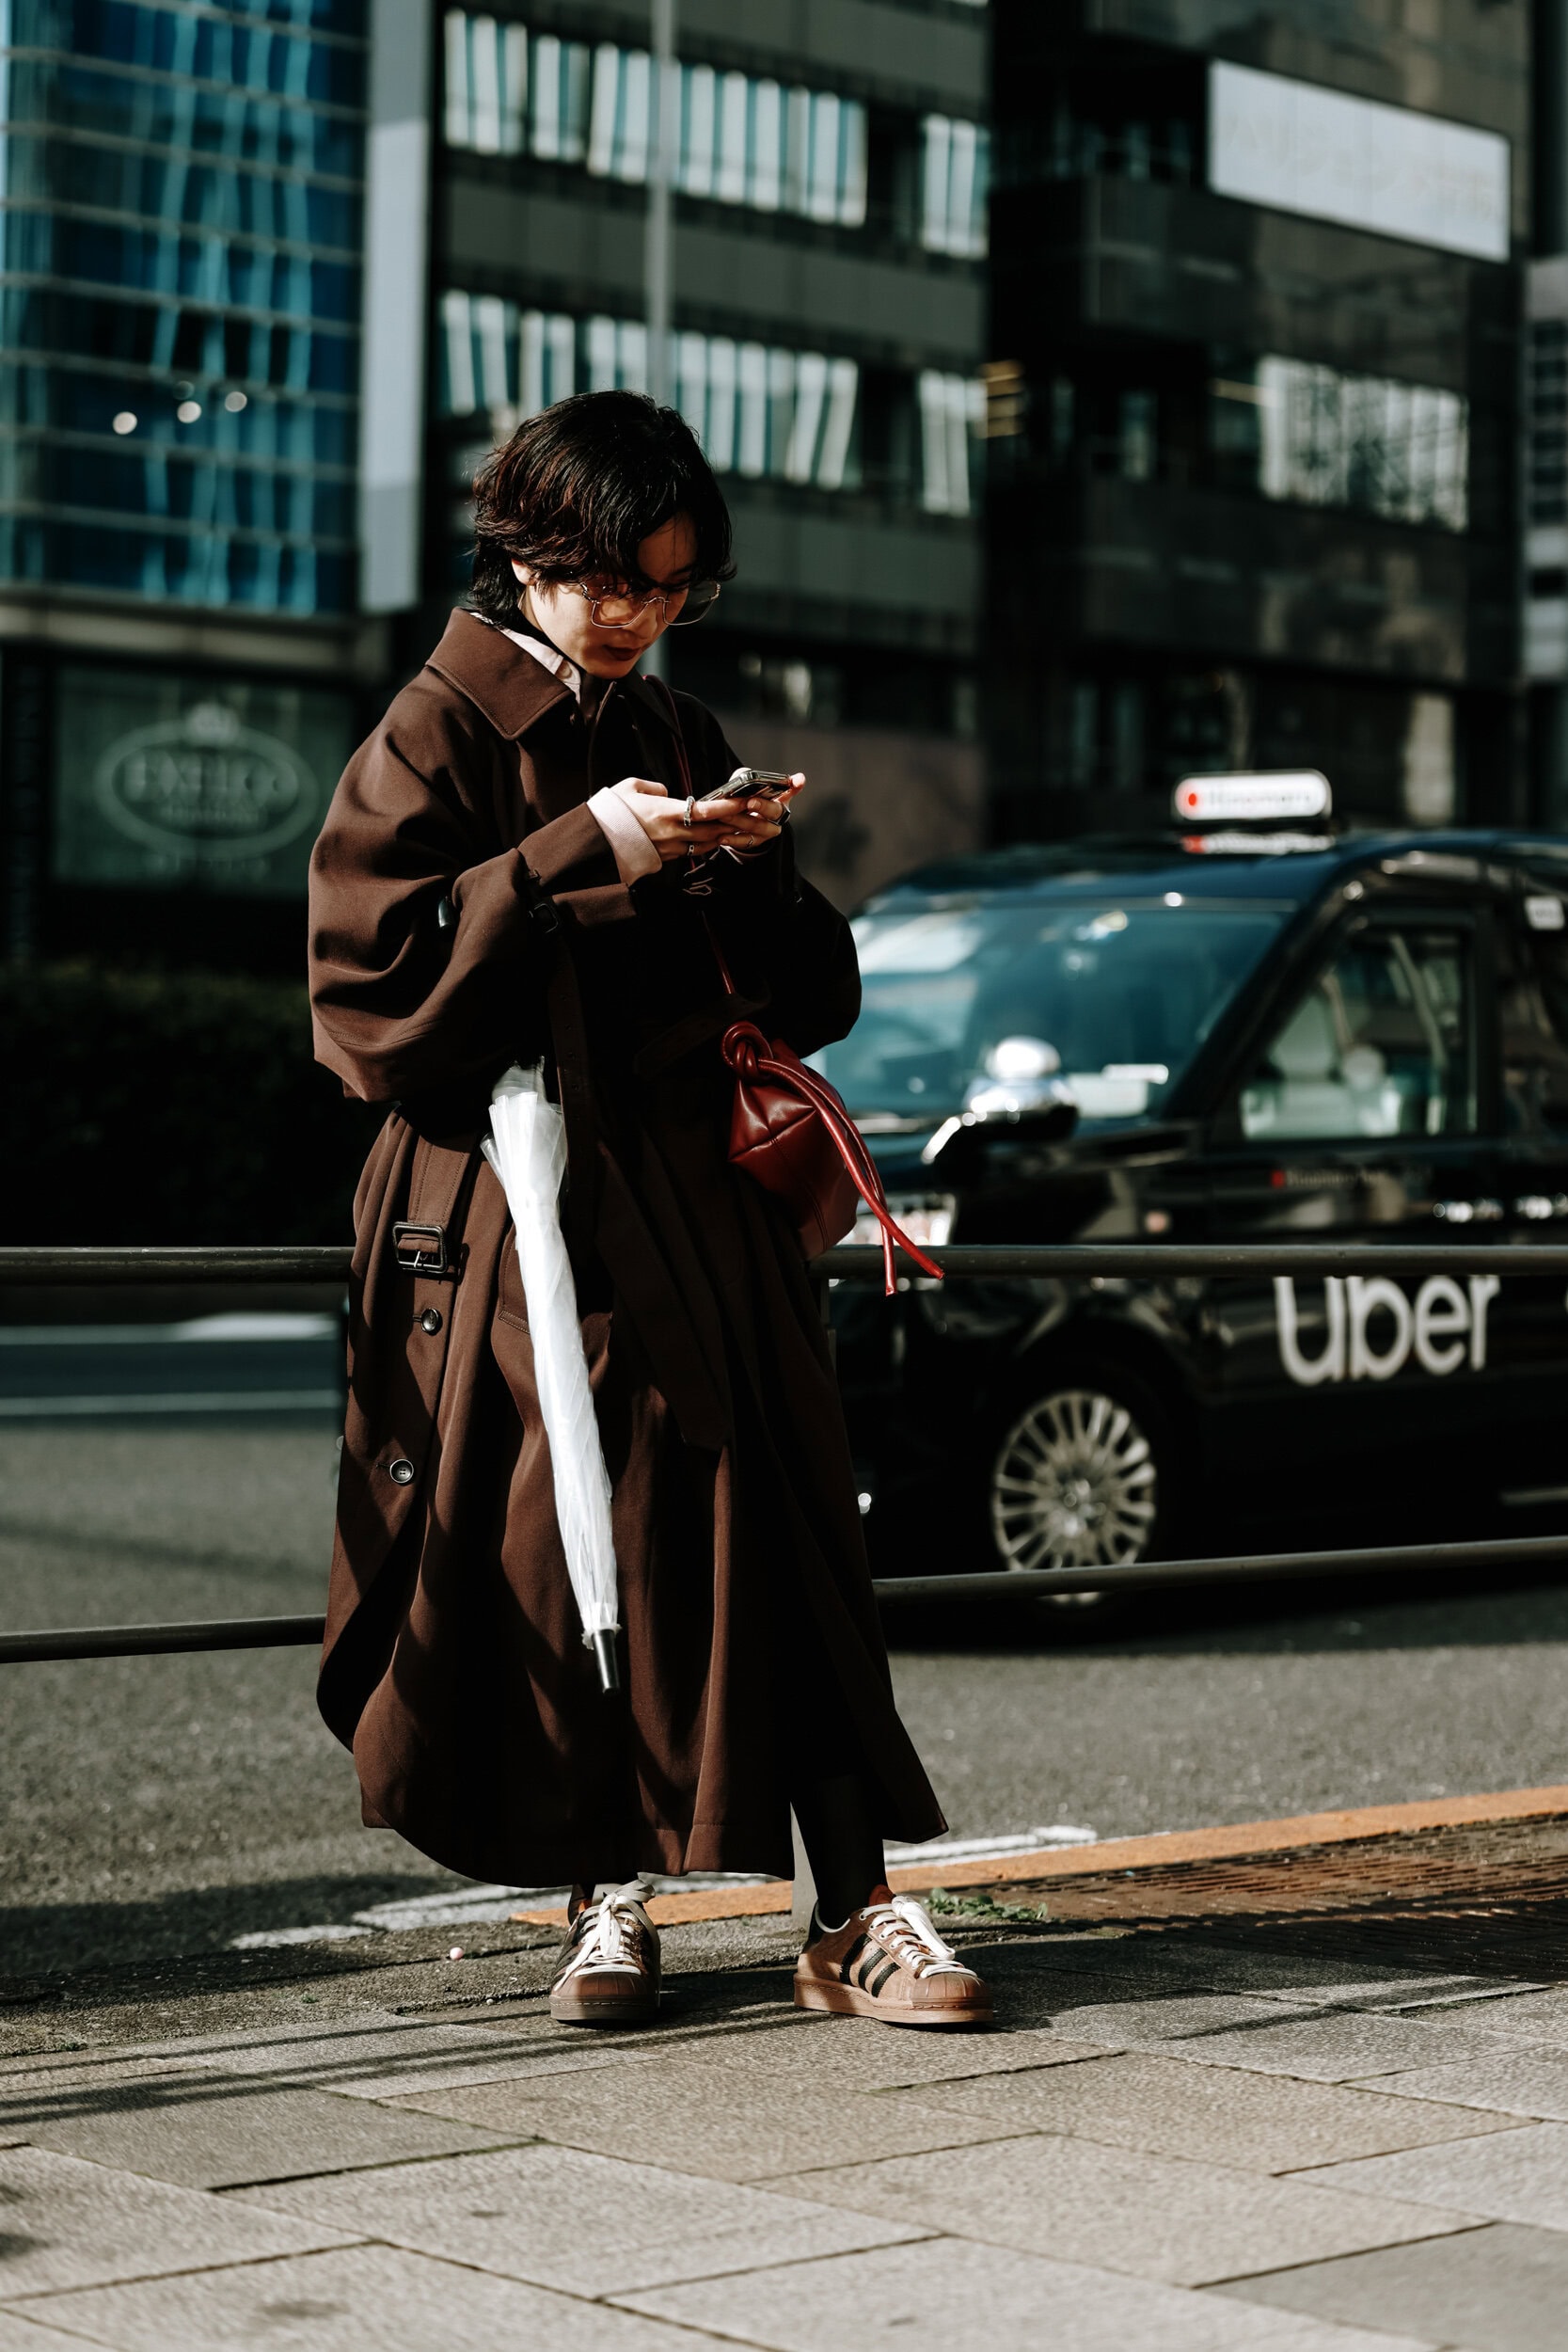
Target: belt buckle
<point x="411" y="1235"/>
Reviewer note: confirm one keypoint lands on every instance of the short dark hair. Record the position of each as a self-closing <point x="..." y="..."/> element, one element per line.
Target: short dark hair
<point x="577" y="488"/>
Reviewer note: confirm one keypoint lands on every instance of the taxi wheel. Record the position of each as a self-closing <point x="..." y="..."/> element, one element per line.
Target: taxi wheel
<point x="1082" y="1474"/>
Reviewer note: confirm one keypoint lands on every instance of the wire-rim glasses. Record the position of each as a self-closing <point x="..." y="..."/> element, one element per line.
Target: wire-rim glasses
<point x="613" y="608"/>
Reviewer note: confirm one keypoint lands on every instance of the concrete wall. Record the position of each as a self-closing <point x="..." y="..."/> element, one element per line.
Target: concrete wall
<point x="587" y="246"/>
<point x="875" y="802"/>
<point x="906" y="56"/>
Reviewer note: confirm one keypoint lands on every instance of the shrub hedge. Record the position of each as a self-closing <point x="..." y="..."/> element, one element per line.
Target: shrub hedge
<point x="170" y="1107"/>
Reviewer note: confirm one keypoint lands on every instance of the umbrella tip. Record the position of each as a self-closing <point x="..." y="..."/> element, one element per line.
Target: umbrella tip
<point x="607" y="1661"/>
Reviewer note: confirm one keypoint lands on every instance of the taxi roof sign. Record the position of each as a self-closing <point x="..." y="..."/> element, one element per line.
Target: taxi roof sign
<point x="1238" y="798"/>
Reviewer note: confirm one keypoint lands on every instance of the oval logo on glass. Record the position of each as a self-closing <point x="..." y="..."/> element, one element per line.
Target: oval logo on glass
<point x="206" y="784"/>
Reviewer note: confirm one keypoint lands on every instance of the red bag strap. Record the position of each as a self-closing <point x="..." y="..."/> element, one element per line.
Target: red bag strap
<point x="746" y="1050"/>
<point x="722" y="960"/>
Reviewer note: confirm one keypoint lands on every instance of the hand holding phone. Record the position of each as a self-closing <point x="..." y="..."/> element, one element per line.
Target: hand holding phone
<point x="753" y="784"/>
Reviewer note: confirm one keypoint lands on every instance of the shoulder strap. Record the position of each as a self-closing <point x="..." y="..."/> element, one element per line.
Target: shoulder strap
<point x="683" y="763"/>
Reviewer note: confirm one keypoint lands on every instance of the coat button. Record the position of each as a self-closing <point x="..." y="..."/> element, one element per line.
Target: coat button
<point x="400" y="1473"/>
<point x="431" y="1319"/>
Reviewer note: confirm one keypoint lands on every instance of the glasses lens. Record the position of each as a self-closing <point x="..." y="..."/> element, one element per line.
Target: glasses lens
<point x="700" y="599"/>
<point x="614" y="605"/>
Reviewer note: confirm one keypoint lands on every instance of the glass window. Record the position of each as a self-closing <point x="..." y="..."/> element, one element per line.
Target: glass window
<point x="954" y="176"/>
<point x="972" y="1003"/>
<point x="1533" y="997"/>
<point x="757" y="411"/>
<point x="1381" y="1044"/>
<point x="952" y="416"/>
<point x="1548" y="421"/>
<point x="177" y="408"/>
<point x="742" y="139"/>
<point x="1308" y="434"/>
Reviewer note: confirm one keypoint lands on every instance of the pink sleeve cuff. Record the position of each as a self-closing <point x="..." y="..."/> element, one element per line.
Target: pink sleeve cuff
<point x="635" y="854"/>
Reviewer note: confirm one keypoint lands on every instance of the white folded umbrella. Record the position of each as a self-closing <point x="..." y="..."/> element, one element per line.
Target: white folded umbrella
<point x="527" y="1148"/>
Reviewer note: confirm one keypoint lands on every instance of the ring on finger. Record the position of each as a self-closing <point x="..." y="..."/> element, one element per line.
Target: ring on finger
<point x="689" y="810"/>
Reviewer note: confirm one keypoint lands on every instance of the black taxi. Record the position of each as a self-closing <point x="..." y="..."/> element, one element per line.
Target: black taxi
<point x="1252" y="1028"/>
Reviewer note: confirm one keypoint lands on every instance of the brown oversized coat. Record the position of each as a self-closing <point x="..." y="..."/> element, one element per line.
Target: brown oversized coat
<point x="454" y="1666"/>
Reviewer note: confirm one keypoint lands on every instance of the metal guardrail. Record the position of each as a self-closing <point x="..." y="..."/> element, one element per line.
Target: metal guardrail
<point x="1060" y="1262"/>
<point x="1114" y="1261"/>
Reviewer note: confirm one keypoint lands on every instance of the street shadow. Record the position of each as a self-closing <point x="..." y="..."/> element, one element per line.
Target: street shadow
<point x="1344" y="1615"/>
<point x="186" y="1921"/>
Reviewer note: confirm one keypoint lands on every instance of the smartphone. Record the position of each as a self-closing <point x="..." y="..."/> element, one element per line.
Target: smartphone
<point x="746" y="784"/>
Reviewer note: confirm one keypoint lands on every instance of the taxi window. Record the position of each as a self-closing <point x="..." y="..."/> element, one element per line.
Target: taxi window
<point x="1535" y="1052"/>
<point x="1383" y="1043"/>
<point x="989" y="1005"/>
<point x="1532" y="1012"/>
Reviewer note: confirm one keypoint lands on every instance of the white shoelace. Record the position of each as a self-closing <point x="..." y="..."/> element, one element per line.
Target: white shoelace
<point x="608" y="1943"/>
<point x="904" y="1928"/>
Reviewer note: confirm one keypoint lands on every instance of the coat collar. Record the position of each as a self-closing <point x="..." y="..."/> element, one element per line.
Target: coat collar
<point x="507" y="685"/>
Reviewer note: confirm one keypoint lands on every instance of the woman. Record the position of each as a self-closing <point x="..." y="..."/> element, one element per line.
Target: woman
<point x="513" y="867"/>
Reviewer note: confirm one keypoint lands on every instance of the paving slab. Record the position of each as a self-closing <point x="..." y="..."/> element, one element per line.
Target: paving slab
<point x="1339" y="2046"/>
<point x="1511" y="2176"/>
<point x="972" y="2298"/>
<point x="1217" y="2115"/>
<point x="705" y="2118"/>
<point x="1121" y="2209"/>
<point x="67" y="2223"/>
<point x="383" y="2062"/>
<point x="364" y="2055"/>
<point x="60" y="2074"/>
<point x="588" y="2224"/>
<point x="368" y="2299"/>
<point x="1502" y="2289"/>
<point x="1163" y="2017"/>
<point x="1030" y="1976"/>
<point x="190" y="2049"/>
<point x="26" y="2335"/>
<point x="208" y="2131"/>
<point x="1311" y="1978"/>
<point x="856" y="2054"/>
<point x="1519" y="2081"/>
<point x="1534" y="2014"/>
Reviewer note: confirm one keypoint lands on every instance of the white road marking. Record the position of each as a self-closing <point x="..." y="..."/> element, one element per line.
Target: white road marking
<point x="239" y="1326"/>
<point x="489" y="1906"/>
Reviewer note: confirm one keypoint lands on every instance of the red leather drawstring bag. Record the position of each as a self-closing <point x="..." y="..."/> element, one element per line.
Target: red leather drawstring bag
<point x="791" y="1131"/>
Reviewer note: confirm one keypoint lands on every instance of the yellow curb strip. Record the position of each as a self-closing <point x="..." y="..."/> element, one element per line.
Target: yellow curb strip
<point x="1235" y="1841"/>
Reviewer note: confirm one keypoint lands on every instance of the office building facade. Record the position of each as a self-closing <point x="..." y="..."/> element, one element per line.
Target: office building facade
<point x="1254" y="405"/>
<point x="180" y="643"/>
<point x="276" y="275"/>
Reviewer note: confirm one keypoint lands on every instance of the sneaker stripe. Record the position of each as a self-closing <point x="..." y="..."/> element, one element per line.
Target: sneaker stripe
<point x="874" y="1987"/>
<point x="856" y="1948"/>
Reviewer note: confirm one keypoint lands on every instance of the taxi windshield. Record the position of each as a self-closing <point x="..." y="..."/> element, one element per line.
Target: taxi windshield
<point x="987" y="1003"/>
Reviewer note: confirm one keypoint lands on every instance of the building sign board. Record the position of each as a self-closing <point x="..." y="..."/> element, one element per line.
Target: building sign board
<point x="1392" y="169"/>
<point x="163" y="781"/>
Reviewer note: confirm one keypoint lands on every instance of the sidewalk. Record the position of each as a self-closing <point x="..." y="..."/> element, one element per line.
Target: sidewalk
<point x="1301" y="2087"/>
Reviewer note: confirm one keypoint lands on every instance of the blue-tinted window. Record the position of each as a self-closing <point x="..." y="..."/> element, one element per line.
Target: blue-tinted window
<point x="179" y="298"/>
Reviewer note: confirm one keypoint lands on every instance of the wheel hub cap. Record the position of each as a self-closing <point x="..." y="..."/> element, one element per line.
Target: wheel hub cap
<point x="1074" y="1485"/>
